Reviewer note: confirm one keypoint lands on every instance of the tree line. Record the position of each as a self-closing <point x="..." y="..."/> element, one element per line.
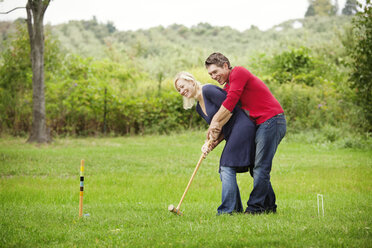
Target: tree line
<point x="326" y="8"/>
<point x="127" y="88"/>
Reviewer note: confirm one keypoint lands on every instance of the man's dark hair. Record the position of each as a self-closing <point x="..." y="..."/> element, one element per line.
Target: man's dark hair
<point x="217" y="59"/>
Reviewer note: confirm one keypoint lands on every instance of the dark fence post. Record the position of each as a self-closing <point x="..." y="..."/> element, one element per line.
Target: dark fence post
<point x="104" y="112"/>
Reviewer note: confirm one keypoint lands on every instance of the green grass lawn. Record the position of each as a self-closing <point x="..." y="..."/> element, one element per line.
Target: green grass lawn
<point x="130" y="181"/>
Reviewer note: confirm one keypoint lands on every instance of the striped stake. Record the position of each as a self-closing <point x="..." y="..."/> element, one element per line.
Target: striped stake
<point x="81" y="188"/>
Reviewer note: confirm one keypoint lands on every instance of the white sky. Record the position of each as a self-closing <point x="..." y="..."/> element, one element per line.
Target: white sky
<point x="136" y="14"/>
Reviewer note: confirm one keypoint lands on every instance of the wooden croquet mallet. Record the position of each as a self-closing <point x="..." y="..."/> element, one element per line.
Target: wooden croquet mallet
<point x="176" y="210"/>
<point x="81" y="188"/>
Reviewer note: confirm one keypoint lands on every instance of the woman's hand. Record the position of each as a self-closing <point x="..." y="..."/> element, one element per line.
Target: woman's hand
<point x="208" y="146"/>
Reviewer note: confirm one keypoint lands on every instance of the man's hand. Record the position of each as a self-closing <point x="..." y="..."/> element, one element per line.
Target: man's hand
<point x="213" y="132"/>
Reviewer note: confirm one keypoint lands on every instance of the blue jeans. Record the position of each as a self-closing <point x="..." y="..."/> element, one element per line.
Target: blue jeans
<point x="268" y="136"/>
<point x="231" y="201"/>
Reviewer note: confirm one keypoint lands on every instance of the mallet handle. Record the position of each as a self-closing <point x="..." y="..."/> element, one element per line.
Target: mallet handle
<point x="192" y="177"/>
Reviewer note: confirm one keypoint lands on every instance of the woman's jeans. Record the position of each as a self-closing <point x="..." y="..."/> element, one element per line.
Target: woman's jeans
<point x="231" y="201"/>
<point x="268" y="136"/>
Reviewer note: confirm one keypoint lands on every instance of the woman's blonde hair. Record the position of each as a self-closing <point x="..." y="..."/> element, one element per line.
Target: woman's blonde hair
<point x="188" y="103"/>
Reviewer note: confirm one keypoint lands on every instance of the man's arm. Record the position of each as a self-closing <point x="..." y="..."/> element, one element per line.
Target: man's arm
<point x="222" y="116"/>
<point x="238" y="80"/>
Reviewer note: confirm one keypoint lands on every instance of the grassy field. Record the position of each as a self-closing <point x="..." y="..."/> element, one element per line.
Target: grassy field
<point x="130" y="181"/>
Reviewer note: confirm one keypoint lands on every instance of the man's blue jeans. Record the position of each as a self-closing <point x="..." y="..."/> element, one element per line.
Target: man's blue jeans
<point x="268" y="136"/>
<point x="231" y="201"/>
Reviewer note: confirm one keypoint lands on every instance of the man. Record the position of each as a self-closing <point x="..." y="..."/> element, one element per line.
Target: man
<point x="257" y="101"/>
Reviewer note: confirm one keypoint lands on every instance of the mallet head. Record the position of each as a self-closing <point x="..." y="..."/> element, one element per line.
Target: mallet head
<point x="172" y="209"/>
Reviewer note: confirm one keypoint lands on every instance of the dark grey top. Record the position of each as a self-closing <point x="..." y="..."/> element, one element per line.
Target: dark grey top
<point x="239" y="132"/>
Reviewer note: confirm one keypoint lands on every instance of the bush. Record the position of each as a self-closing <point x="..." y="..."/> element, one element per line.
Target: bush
<point x="76" y="105"/>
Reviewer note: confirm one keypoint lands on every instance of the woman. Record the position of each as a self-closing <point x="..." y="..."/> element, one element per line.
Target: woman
<point x="238" y="132"/>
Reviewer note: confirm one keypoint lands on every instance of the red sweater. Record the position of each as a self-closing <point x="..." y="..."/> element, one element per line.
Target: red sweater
<point x="253" y="94"/>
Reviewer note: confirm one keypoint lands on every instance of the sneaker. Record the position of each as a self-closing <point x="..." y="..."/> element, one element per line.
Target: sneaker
<point x="221" y="213"/>
<point x="270" y="211"/>
<point x="252" y="212"/>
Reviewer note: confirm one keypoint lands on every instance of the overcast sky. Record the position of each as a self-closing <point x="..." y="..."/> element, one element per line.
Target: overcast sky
<point x="137" y="14"/>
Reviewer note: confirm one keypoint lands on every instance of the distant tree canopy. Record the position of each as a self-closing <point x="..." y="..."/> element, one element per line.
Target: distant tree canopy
<point x="350" y="7"/>
<point x="310" y="11"/>
<point x="361" y="53"/>
<point x="320" y="8"/>
<point x="326" y="8"/>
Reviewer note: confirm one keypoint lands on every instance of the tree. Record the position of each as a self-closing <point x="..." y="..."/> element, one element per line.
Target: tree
<point x="35" y="16"/>
<point x="15" y="86"/>
<point x="336" y="7"/>
<point x="16" y="77"/>
<point x="110" y="27"/>
<point x="350" y="7"/>
<point x="361" y="54"/>
<point x="310" y="11"/>
<point x="320" y="8"/>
